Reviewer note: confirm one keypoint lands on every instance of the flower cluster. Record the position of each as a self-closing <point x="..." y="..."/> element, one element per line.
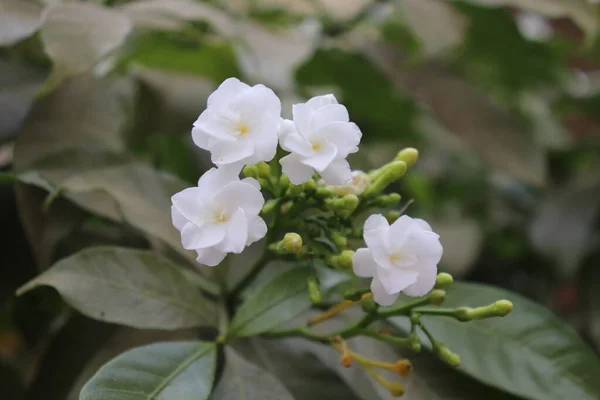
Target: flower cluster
<point x="242" y="129"/>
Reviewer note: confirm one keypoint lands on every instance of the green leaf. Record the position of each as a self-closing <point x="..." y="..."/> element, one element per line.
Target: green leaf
<point x="580" y="11"/>
<point x="162" y="371"/>
<point x="277" y="301"/>
<point x="134" y="194"/>
<point x="130" y="287"/>
<point x="19" y="19"/>
<point x="243" y="380"/>
<point x="530" y="353"/>
<point x="76" y="36"/>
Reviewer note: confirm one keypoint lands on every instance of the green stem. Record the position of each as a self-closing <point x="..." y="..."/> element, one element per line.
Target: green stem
<point x="404" y="309"/>
<point x="386" y="338"/>
<point x="297" y="332"/>
<point x="444" y="312"/>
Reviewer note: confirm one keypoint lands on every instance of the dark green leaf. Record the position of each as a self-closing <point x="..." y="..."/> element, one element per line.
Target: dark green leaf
<point x="530" y="353"/>
<point x="162" y="371"/>
<point x="243" y="380"/>
<point x="130" y="287"/>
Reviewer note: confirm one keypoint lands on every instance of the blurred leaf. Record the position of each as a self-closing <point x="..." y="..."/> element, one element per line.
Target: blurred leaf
<point x="19" y="19"/>
<point x="76" y="36"/>
<point x="581" y="12"/>
<point x="564" y="227"/>
<point x="271" y="57"/>
<point x="462" y="240"/>
<point x="379" y="110"/>
<point x="243" y="380"/>
<point x="301" y="372"/>
<point x="437" y="24"/>
<point x="134" y="194"/>
<point x="530" y="353"/>
<point x="162" y="371"/>
<point x="130" y="287"/>
<point x="271" y="305"/>
<point x="498" y="135"/>
<point x="172" y="14"/>
<point x="18" y="87"/>
<point x="122" y="340"/>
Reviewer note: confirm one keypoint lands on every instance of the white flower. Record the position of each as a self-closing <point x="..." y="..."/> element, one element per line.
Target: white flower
<point x="219" y="216"/>
<point x="534" y="26"/>
<point x="319" y="139"/>
<point x="402" y="257"/>
<point x="357" y="185"/>
<point x="240" y="124"/>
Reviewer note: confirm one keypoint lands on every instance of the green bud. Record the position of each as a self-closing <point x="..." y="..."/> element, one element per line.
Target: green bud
<point x="350" y="202"/>
<point x="250" y="171"/>
<point x="343" y="206"/>
<point x="325" y="192"/>
<point x="408" y="155"/>
<point x="285" y="208"/>
<point x="445" y="354"/>
<point x="339" y="239"/>
<point x="269" y="207"/>
<point x="503" y="307"/>
<point x="387" y="175"/>
<point x="264" y="170"/>
<point x="314" y="291"/>
<point x="368" y="305"/>
<point x="388" y="200"/>
<point x="443" y="280"/>
<point x="294" y="190"/>
<point x="292" y="242"/>
<point x="500" y="308"/>
<point x="414" y="342"/>
<point x="284" y="182"/>
<point x="392" y="216"/>
<point x="342" y="260"/>
<point x="310" y="185"/>
<point x="437" y="297"/>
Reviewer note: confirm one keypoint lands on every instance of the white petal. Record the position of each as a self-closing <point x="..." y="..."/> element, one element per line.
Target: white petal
<point x="424" y="245"/>
<point x="399" y="231"/>
<point x="294" y="143"/>
<point x="227" y="91"/>
<point x="297" y="172"/>
<point x="210" y="256"/>
<point x="425" y="281"/>
<point x="337" y="173"/>
<point x="240" y="195"/>
<point x="215" y="179"/>
<point x="191" y="203"/>
<point x="178" y="219"/>
<point x="200" y="138"/>
<point x="344" y="136"/>
<point x="422" y="224"/>
<point x="200" y="237"/>
<point x="302" y="117"/>
<point x="363" y="263"/>
<point x="257" y="229"/>
<point x="237" y="232"/>
<point x="212" y="124"/>
<point x="265" y="139"/>
<point x="328" y="114"/>
<point x="253" y="182"/>
<point x="255" y="102"/>
<point x="320" y="101"/>
<point x="322" y="158"/>
<point x="229" y="152"/>
<point x="286" y="127"/>
<point x="380" y="296"/>
<point x="396" y="279"/>
<point x="376" y="233"/>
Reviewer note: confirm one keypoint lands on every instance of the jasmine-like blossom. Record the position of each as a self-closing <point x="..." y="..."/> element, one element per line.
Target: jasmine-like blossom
<point x="402" y="257"/>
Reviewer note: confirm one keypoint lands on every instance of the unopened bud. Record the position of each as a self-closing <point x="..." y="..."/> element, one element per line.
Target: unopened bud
<point x="294" y="190"/>
<point x="314" y="291"/>
<point x="284" y="182"/>
<point x="310" y="185"/>
<point x="503" y="307"/>
<point x="368" y="305"/>
<point x="445" y="354"/>
<point x="250" y="171"/>
<point x="343" y="206"/>
<point x="388" y="200"/>
<point x="264" y="170"/>
<point x="500" y="308"/>
<point x="408" y="155"/>
<point x="414" y="342"/>
<point x="357" y="185"/>
<point x="338" y="239"/>
<point x="403" y="367"/>
<point x="325" y="192"/>
<point x="443" y="280"/>
<point x="396" y="389"/>
<point x="269" y="207"/>
<point x="386" y="176"/>
<point x="292" y="242"/>
<point x="437" y="297"/>
<point x="285" y="208"/>
<point x="346" y="361"/>
<point x="392" y="216"/>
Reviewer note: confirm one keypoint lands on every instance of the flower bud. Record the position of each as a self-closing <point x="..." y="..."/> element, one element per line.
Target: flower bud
<point x="408" y="155"/>
<point x="386" y="176"/>
<point x="292" y="242"/>
<point x="346" y="361"/>
<point x="403" y="367"/>
<point x="357" y="185"/>
<point x="368" y="305"/>
<point x="437" y="297"/>
<point x="396" y="389"/>
<point x="284" y="182"/>
<point x="294" y="190"/>
<point x="503" y="307"/>
<point x="338" y="239"/>
<point x="314" y="291"/>
<point x="500" y="308"/>
<point x="286" y="207"/>
<point x="414" y="342"/>
<point x="264" y="170"/>
<point x="392" y="216"/>
<point x="250" y="171"/>
<point x="269" y="207"/>
<point x="344" y="206"/>
<point x="445" y="354"/>
<point x="443" y="280"/>
<point x="325" y="192"/>
<point x="310" y="185"/>
<point x="388" y="200"/>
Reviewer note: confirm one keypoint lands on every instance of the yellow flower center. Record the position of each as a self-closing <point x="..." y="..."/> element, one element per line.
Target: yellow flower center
<point x="242" y="129"/>
<point x="221" y="217"/>
<point x="316" y="146"/>
<point x="394" y="257"/>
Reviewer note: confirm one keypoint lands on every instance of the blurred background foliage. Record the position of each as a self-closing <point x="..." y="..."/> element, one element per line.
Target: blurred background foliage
<point x="501" y="97"/>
